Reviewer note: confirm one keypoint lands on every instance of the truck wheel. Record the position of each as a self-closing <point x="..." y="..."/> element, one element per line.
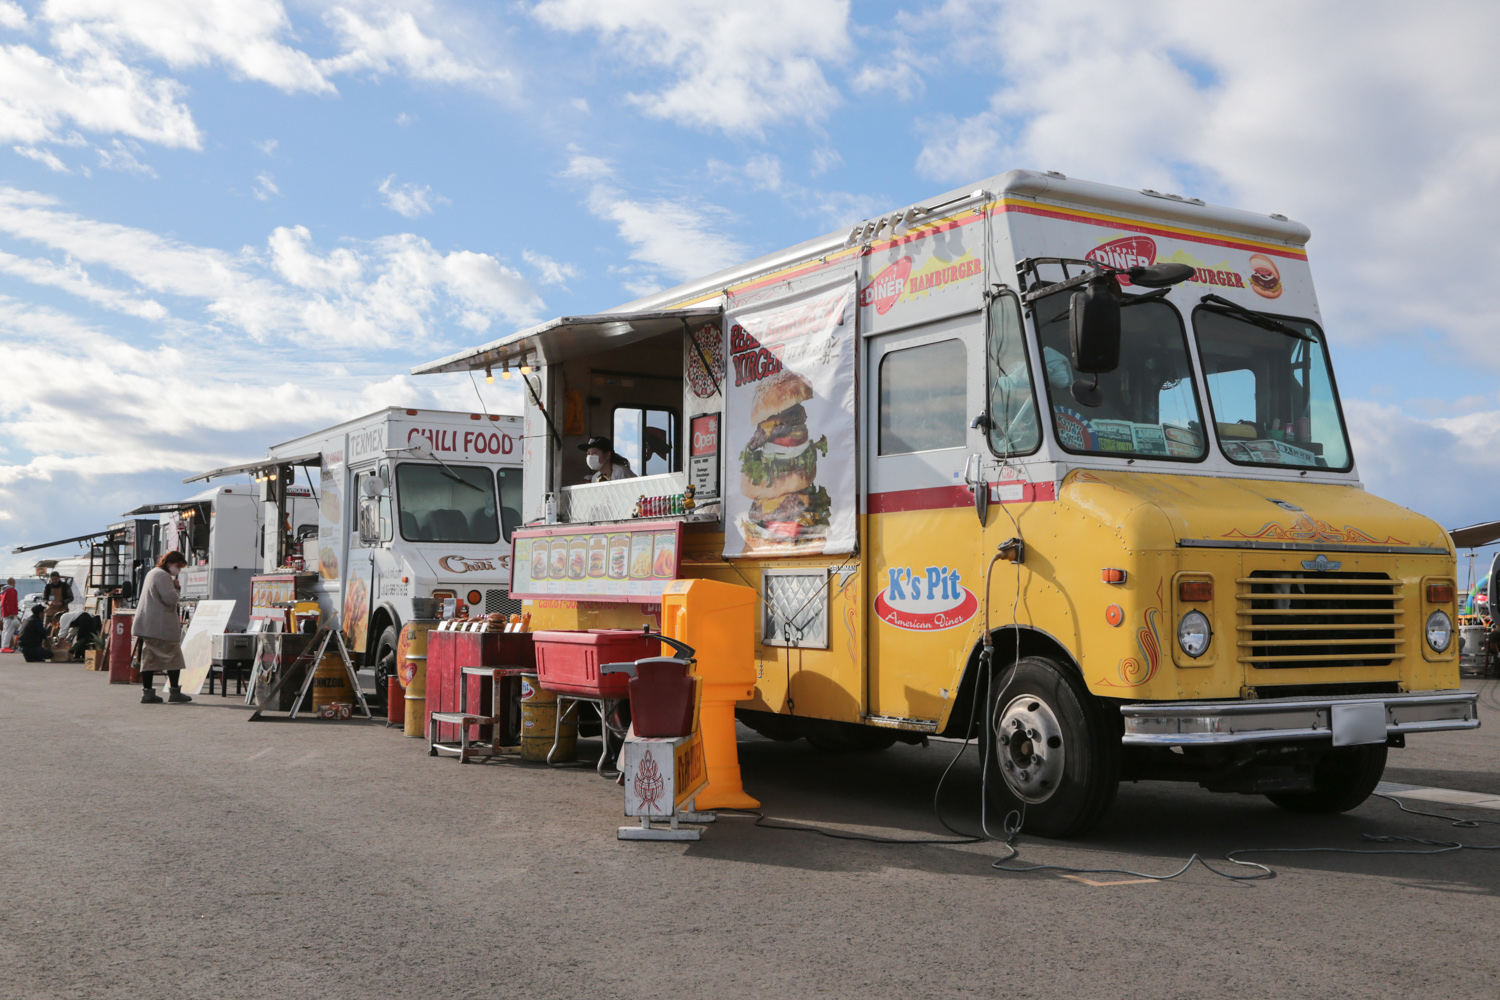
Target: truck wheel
<point x="1342" y="779"/>
<point x="385" y="661"/>
<point x="1051" y="754"/>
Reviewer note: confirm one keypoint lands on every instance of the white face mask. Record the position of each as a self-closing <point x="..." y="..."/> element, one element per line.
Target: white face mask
<point x="595" y="461"/>
<point x="174" y="569"/>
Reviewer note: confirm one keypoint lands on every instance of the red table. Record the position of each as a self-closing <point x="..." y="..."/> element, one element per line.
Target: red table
<point x="449" y="652"/>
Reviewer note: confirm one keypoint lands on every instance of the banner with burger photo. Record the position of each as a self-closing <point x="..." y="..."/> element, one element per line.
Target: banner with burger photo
<point x="789" y="426"/>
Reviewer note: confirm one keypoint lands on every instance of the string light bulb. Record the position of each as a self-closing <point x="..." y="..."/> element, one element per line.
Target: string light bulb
<point x="489" y="376"/>
<point x="505" y="372"/>
<point x="525" y="369"/>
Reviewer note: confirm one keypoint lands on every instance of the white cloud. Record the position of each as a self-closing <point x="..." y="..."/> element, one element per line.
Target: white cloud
<point x="738" y="65"/>
<point x="73" y="279"/>
<point x="265" y="186"/>
<point x="376" y="293"/>
<point x="241" y="34"/>
<point x="96" y="78"/>
<point x="679" y="237"/>
<point x="409" y="200"/>
<point x="406" y="118"/>
<point x="550" y="272"/>
<point x="391" y="40"/>
<point x="45" y="157"/>
<point x="588" y="168"/>
<point x="93" y="89"/>
<point x="824" y="160"/>
<point x="764" y="171"/>
<point x="267" y="146"/>
<point x="121" y="155"/>
<point x="1387" y="143"/>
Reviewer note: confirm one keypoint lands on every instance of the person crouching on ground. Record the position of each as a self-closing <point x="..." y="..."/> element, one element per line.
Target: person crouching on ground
<point x="34" y="637"/>
<point x="159" y="630"/>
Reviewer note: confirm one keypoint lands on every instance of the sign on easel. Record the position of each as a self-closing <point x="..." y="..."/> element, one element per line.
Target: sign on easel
<point x="210" y="618"/>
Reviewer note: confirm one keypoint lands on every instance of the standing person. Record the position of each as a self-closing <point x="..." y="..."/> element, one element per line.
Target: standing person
<point x="59" y="595"/>
<point x="604" y="464"/>
<point x="34" y="637"/>
<point x="10" y="616"/>
<point x="159" y="630"/>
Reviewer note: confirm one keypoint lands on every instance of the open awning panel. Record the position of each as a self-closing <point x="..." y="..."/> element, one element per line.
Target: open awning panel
<point x="571" y="337"/>
<point x="76" y="538"/>
<point x="259" y="465"/>
<point x="1476" y="535"/>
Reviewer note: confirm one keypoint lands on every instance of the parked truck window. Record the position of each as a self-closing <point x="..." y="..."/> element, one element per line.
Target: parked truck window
<point x="385" y="503"/>
<point x="646" y="437"/>
<point x="1012" y="404"/>
<point x="509" y="481"/>
<point x="922" y="398"/>
<point x="446" y="503"/>
<point x="1271" y="393"/>
<point x="1148" y="406"/>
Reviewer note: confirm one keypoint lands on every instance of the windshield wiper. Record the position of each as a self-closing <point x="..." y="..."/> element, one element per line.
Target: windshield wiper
<point x="1219" y="304"/>
<point x="444" y="468"/>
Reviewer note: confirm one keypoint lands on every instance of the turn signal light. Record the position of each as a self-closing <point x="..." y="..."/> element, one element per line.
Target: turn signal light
<point x="1195" y="590"/>
<point x="1112" y="575"/>
<point x="1440" y="593"/>
<point x="475" y="597"/>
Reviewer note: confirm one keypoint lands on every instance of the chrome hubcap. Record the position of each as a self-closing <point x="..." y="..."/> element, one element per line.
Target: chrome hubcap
<point x="1030" y="750"/>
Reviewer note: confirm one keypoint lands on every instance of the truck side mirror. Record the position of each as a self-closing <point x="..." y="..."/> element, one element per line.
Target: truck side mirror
<point x="373" y="486"/>
<point x="1094" y="328"/>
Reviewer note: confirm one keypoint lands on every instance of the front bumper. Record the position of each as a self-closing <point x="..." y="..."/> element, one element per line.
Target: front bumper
<point x="1274" y="720"/>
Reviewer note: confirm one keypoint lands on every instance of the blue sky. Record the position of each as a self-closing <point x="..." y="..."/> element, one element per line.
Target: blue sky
<point x="225" y="222"/>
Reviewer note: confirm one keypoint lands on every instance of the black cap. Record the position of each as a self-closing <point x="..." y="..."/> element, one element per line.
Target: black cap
<point x="601" y="442"/>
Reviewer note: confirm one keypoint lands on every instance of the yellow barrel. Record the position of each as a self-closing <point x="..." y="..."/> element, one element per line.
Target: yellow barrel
<point x="330" y="683"/>
<point x="411" y="668"/>
<point x="539" y="724"/>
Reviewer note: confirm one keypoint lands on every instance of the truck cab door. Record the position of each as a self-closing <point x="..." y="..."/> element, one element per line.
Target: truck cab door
<point x="925" y="387"/>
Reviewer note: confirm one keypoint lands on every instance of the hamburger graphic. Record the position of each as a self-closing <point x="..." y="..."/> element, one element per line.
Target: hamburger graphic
<point x="778" y="466"/>
<point x="1265" y="279"/>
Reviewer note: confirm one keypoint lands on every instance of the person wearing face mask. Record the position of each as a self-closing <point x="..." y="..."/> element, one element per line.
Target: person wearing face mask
<point x="604" y="465"/>
<point x="158" y="630"/>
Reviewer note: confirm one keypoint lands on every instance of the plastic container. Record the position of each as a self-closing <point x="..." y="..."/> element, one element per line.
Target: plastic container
<point x="663" y="699"/>
<point x="569" y="661"/>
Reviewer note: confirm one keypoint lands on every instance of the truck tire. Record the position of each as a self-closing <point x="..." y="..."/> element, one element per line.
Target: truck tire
<point x="1051" y="754"/>
<point x="385" y="661"/>
<point x="1342" y="779"/>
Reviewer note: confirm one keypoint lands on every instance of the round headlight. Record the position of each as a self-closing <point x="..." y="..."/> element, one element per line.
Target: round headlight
<point x="1193" y="634"/>
<point x="1439" y="630"/>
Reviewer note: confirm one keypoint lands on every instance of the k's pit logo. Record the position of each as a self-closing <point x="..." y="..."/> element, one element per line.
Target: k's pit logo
<point x="930" y="600"/>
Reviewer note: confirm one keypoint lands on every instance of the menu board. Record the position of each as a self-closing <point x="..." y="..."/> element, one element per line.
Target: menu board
<point x="614" y="562"/>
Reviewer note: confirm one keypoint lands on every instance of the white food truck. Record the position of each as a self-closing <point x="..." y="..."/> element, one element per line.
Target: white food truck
<point x="219" y="531"/>
<point x="409" y="507"/>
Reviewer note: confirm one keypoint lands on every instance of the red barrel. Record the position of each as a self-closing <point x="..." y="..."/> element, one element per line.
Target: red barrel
<point x="120" y="643"/>
<point x="395" y="702"/>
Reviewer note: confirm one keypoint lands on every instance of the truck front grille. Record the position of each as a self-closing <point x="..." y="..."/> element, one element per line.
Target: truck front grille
<point x="1290" y="619"/>
<point x="500" y="601"/>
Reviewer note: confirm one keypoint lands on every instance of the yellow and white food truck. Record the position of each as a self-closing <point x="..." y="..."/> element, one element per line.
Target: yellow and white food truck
<point x="1055" y="463"/>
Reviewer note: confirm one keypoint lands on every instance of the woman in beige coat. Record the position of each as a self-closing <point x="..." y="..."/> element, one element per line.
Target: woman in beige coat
<point x="159" y="630"/>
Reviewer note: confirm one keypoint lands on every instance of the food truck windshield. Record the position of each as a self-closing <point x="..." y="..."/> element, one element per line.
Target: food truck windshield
<point x="447" y="503"/>
<point x="1271" y="392"/>
<point x="1147" y="407"/>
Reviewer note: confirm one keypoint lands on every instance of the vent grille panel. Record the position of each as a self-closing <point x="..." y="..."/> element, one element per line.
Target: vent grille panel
<point x="1297" y="620"/>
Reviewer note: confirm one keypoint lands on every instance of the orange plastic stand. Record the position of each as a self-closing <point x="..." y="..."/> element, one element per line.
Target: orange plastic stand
<point x="718" y="621"/>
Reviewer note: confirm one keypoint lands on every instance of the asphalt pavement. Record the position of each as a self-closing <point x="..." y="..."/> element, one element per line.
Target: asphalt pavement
<point x="180" y="851"/>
